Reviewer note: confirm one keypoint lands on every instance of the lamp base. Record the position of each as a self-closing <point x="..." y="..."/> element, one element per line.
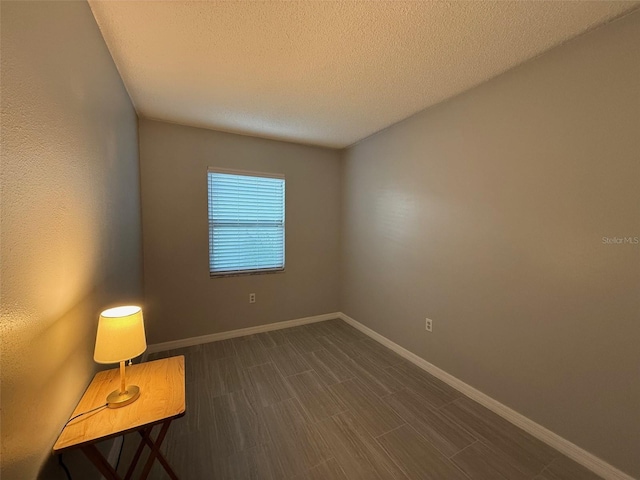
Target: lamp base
<point x="117" y="399"/>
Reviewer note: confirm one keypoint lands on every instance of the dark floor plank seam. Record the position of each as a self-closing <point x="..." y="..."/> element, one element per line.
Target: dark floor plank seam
<point x="393" y="429"/>
<point x="463" y="449"/>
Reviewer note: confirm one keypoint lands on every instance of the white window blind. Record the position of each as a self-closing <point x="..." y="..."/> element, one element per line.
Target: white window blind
<point x="246" y="222"/>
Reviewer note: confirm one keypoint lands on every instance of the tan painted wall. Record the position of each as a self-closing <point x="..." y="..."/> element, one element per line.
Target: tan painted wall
<point x="181" y="300"/>
<point x="71" y="236"/>
<point x="486" y="214"/>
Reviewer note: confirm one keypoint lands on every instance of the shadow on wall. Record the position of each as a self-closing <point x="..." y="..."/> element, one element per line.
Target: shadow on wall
<point x="46" y="366"/>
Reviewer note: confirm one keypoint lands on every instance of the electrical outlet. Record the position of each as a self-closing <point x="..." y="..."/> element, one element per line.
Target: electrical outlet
<point x="252" y="298"/>
<point x="428" y="325"/>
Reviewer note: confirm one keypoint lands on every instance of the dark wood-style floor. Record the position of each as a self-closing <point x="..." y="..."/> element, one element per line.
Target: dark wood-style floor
<point x="323" y="401"/>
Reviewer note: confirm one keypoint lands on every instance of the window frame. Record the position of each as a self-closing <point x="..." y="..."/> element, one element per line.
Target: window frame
<point x="258" y="271"/>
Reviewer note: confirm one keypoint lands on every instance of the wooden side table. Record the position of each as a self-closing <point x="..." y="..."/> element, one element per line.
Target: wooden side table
<point x="162" y="399"/>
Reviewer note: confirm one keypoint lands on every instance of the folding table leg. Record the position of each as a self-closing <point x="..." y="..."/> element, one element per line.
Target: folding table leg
<point x="154" y="451"/>
<point x="145" y="432"/>
<point x="100" y="462"/>
<point x="161" y="459"/>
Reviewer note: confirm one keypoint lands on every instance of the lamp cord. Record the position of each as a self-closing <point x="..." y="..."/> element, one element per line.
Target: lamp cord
<point x="66" y="470"/>
<point x="64" y="467"/>
<point x="84" y="413"/>
<point x="61" y="462"/>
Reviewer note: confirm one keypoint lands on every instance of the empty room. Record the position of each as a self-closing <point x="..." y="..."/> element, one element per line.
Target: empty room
<point x="320" y="240"/>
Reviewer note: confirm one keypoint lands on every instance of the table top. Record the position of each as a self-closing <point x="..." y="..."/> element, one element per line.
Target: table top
<point x="162" y="397"/>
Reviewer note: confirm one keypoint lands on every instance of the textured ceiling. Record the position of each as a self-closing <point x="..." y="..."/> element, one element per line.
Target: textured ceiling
<point x="319" y="72"/>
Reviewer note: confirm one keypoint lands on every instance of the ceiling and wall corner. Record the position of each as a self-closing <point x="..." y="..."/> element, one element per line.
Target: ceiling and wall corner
<point x="324" y="73"/>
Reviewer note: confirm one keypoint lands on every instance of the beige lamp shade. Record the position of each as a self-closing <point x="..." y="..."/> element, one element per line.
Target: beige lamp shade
<point x="120" y="335"/>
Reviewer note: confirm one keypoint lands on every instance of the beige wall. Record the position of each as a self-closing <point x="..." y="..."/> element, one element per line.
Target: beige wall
<point x="486" y="214"/>
<point x="71" y="236"/>
<point x="181" y="300"/>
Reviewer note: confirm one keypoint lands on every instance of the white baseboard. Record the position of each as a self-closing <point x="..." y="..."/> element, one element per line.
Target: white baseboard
<point x="584" y="458"/>
<point x="213" y="337"/>
<point x="581" y="456"/>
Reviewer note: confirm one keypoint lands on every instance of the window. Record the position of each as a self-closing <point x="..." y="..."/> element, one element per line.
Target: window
<point x="246" y="222"/>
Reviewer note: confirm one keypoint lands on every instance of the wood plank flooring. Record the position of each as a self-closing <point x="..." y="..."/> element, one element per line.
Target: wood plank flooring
<point x="325" y="402"/>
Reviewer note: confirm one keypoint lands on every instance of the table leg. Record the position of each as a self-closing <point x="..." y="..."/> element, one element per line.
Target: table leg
<point x="100" y="462"/>
<point x="145" y="432"/>
<point x="161" y="458"/>
<point x="155" y="449"/>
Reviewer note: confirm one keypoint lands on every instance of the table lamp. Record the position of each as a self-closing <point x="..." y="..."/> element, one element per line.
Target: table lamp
<point x="120" y="337"/>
